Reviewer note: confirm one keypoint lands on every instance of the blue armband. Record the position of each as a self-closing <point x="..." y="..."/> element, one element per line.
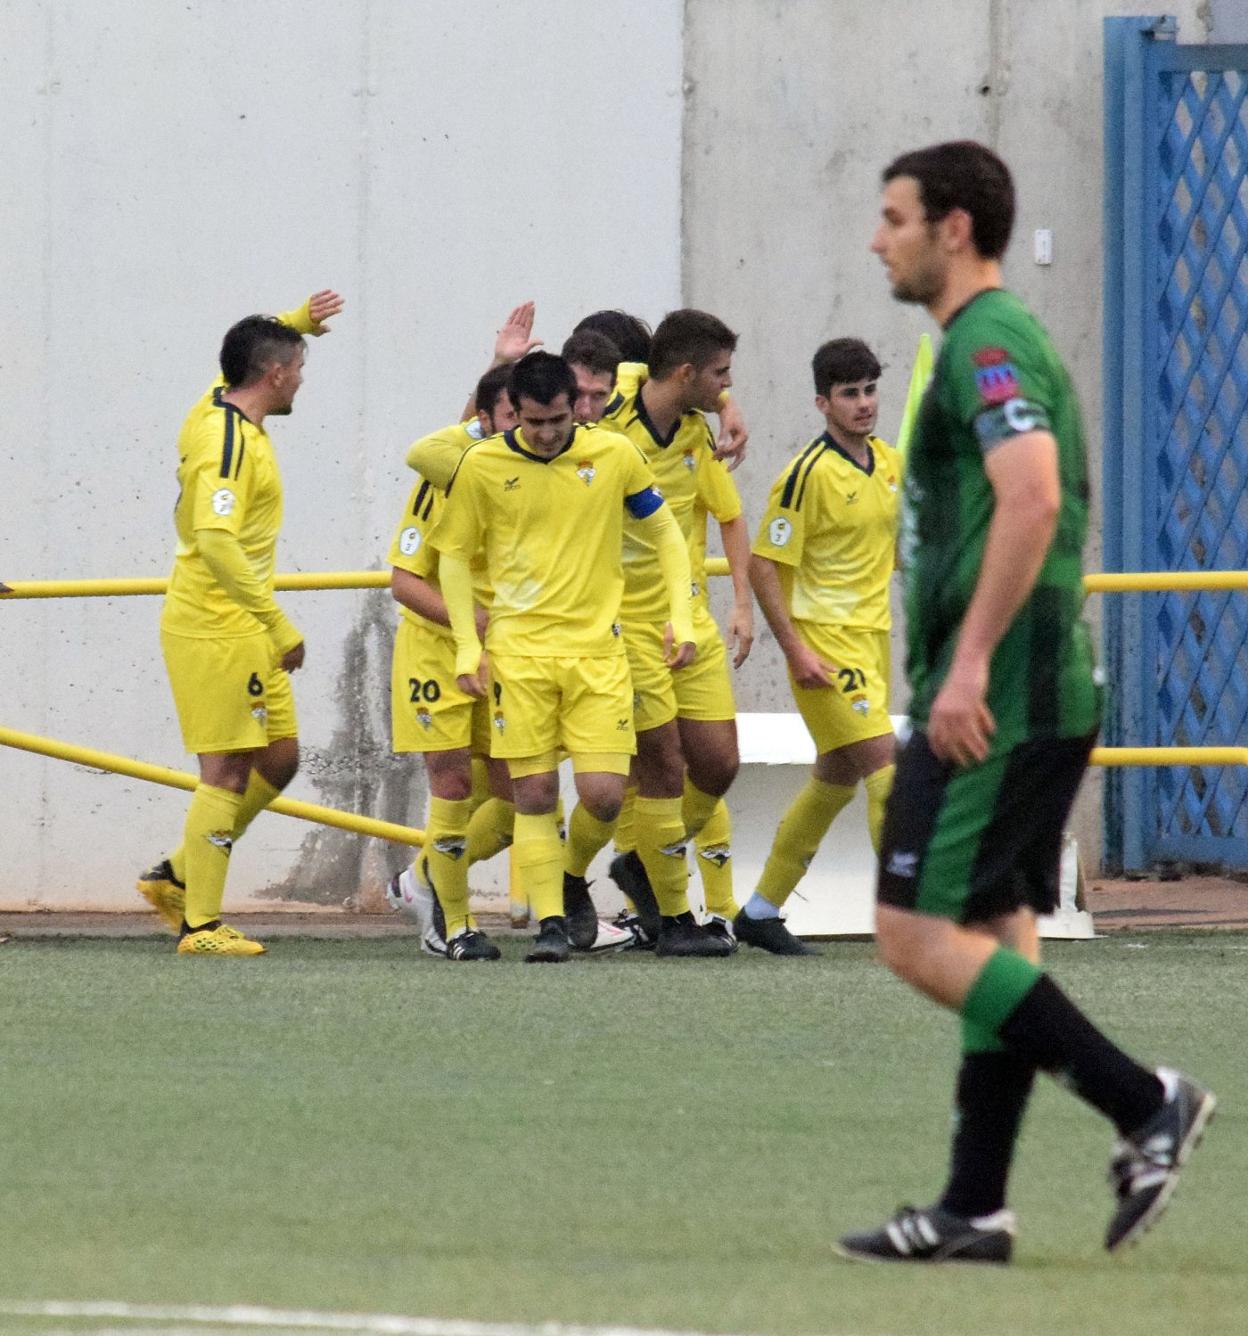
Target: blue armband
<point x="641" y="504"/>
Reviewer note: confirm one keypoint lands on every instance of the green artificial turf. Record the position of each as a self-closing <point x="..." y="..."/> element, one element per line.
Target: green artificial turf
<point x="350" y="1126"/>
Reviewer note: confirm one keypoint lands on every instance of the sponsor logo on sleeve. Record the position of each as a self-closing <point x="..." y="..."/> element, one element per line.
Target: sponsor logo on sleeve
<point x="223" y="501"/>
<point x="996" y="377"/>
<point x="409" y="542"/>
<point x="779" y="531"/>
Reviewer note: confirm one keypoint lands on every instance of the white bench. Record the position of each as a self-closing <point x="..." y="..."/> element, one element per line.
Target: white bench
<point x="836" y="898"/>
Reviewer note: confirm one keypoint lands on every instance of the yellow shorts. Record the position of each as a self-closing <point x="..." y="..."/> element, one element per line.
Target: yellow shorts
<point x="701" y="691"/>
<point x="856" y="708"/>
<point x="231" y="695"/>
<point x="428" y="712"/>
<point x="537" y="706"/>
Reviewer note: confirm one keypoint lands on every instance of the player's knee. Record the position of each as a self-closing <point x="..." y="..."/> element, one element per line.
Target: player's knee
<point x="279" y="762"/>
<point x="899" y="941"/>
<point x="713" y="770"/>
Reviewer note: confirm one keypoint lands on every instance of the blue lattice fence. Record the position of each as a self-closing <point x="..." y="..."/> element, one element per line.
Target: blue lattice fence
<point x="1180" y="386"/>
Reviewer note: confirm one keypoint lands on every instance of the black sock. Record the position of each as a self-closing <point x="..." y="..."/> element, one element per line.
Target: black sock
<point x="992" y="1093"/>
<point x="1047" y="1028"/>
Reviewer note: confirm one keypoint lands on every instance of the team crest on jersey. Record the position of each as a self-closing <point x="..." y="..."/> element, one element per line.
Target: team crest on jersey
<point x="694" y="589"/>
<point x="861" y="704"/>
<point x="892" y="482"/>
<point x="260" y="714"/>
<point x="223" y="839"/>
<point x="690" y="460"/>
<point x="500" y="721"/>
<point x="223" y="501"/>
<point x="424" y="719"/>
<point x="586" y="471"/>
<point x="616" y="628"/>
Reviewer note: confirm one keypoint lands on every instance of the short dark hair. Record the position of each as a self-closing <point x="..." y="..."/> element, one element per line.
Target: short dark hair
<point x="491" y="388"/>
<point x="590" y="349"/>
<point x="842" y="362"/>
<point x="696" y="337"/>
<point x="542" y="377"/>
<point x="630" y="333"/>
<point x="252" y="345"/>
<point x="963" y="175"/>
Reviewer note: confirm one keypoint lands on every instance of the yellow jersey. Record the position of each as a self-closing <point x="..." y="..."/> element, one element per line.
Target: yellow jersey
<point x="551" y="531"/>
<point x="435" y="456"/>
<point x="227" y="479"/>
<point x="410" y="551"/>
<point x="834" y="523"/>
<point x="688" y="475"/>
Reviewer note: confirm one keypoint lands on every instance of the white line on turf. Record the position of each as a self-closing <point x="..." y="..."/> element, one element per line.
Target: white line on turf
<point x="281" y="1320"/>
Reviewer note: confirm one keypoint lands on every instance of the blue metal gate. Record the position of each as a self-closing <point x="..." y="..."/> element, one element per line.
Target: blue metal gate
<point x="1176" y="433"/>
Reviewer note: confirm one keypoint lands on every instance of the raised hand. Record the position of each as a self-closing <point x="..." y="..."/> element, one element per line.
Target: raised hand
<point x="516" y="336"/>
<point x="321" y="306"/>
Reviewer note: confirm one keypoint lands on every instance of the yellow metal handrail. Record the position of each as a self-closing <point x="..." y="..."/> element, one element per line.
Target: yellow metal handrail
<point x="180" y="779"/>
<point x="1100" y="582"/>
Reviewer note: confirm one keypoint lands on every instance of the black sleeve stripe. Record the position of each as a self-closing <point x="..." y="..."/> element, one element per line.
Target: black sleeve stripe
<point x="227" y="447"/>
<point x="433" y="496"/>
<point x="460" y="465"/>
<point x="790" y="485"/>
<point x="801" y="491"/>
<point x="242" y="450"/>
<point x="614" y="406"/>
<point x="421" y="493"/>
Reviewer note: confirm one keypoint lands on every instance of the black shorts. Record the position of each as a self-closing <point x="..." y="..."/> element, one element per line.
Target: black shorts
<point x="969" y="844"/>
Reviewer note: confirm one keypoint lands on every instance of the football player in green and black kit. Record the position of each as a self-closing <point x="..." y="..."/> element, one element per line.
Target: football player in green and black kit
<point x="1005" y="710"/>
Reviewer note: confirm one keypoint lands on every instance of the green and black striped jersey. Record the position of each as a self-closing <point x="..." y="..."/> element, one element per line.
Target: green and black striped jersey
<point x="997" y="376"/>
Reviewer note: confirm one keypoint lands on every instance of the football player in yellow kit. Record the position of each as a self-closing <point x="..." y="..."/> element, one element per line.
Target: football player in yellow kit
<point x="821" y="568"/>
<point x="545" y="504"/>
<point x="687" y="717"/>
<point x="228" y="647"/>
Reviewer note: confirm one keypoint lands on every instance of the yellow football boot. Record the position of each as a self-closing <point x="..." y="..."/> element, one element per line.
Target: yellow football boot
<point x="164" y="892"/>
<point x="218" y="940"/>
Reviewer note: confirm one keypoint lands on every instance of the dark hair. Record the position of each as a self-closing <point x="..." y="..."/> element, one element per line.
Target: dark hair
<point x="963" y="175"/>
<point x="590" y="349"/>
<point x="491" y="388"/>
<point x="689" y="336"/>
<point x="542" y="377"/>
<point x="842" y="362"/>
<point x="252" y="346"/>
<point x="629" y="333"/>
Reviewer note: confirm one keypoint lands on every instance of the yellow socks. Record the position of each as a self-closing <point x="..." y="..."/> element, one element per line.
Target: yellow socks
<point x="538" y="858"/>
<point x="661" y="847"/>
<point x="696" y="808"/>
<point x="490" y="829"/>
<point x="260" y="793"/>
<point x="207" y="839"/>
<point x="446" y="852"/>
<point x="586" y="835"/>
<point x="714" y="859"/>
<point x="625" y="823"/>
<point x="879" y="784"/>
<point x="801" y="829"/>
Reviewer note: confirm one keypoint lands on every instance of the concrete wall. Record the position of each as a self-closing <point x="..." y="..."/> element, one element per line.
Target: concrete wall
<point x="171" y="168"/>
<point x="792" y="110"/>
